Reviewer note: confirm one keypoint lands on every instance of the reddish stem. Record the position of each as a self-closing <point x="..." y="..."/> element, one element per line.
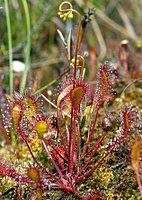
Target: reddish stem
<point x="125" y="65"/>
<point x="139" y="183"/>
<point x="52" y="160"/>
<point x="60" y="132"/>
<point x="91" y="133"/>
<point x="111" y="147"/>
<point x="34" y="158"/>
<point x="94" y="150"/>
<point x="92" y="70"/>
<point x="19" y="178"/>
<point x="78" y="145"/>
<point x="70" y="156"/>
<point x="58" y="153"/>
<point x="138" y="64"/>
<point x="73" y="146"/>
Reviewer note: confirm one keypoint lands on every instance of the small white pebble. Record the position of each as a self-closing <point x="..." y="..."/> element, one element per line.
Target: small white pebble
<point x="18" y="66"/>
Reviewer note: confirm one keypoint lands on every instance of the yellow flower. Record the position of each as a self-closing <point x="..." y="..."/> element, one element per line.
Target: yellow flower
<point x="65" y="13"/>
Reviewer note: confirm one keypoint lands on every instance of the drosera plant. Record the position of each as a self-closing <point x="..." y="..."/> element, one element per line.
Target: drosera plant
<point x="70" y="157"/>
<point x="136" y="161"/>
<point x="129" y="60"/>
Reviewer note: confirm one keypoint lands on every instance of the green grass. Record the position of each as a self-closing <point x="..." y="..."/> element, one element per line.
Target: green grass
<point x="28" y="46"/>
<point x="9" y="46"/>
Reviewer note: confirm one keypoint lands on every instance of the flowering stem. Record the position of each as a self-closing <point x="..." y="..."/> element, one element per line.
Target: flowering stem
<point x="79" y="31"/>
<point x="66" y="13"/>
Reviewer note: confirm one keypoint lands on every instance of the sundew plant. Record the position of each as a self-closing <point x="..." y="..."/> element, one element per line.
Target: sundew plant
<point x="61" y="140"/>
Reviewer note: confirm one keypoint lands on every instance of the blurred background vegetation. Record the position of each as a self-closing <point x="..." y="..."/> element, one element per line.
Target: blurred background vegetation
<point x="112" y="22"/>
